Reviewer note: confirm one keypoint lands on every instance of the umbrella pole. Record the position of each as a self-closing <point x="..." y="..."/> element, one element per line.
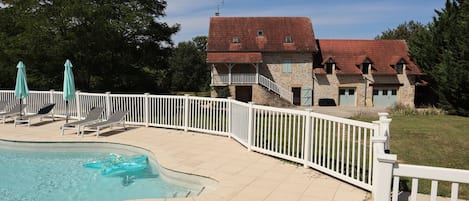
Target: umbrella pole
<point x="21" y="103"/>
<point x="66" y="111"/>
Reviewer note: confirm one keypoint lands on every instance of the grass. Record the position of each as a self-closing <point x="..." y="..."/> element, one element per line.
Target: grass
<point x="433" y="140"/>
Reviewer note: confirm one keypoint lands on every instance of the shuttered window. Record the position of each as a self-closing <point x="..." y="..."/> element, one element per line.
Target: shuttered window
<point x="286" y="66"/>
<point x="306" y="97"/>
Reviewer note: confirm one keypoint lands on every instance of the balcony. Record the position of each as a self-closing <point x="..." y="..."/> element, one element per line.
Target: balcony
<point x="234" y="78"/>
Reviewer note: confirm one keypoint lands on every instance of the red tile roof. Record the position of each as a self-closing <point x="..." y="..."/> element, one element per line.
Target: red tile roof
<point x="349" y="54"/>
<point x="234" y="57"/>
<point x="274" y="29"/>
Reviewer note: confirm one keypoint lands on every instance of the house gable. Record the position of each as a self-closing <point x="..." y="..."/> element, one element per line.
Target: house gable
<point x="261" y="34"/>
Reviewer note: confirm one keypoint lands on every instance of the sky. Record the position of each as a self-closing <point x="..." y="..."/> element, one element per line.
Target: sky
<point x="332" y="19"/>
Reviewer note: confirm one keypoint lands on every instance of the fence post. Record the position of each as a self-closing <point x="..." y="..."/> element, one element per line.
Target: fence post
<point x="383" y="165"/>
<point x="308" y="134"/>
<point x="147" y="109"/>
<point x="186" y="112"/>
<point x="230" y="116"/>
<point x="77" y="100"/>
<point x="51" y="100"/>
<point x="108" y="104"/>
<point x="51" y="96"/>
<point x="250" y="124"/>
<point x="385" y="131"/>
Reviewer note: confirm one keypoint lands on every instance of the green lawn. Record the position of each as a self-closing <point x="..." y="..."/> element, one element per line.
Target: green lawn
<point x="432" y="140"/>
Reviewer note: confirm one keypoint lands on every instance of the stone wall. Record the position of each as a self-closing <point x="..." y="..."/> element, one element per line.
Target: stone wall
<point x="324" y="85"/>
<point x="261" y="96"/>
<point x="406" y="95"/>
<point x="327" y="86"/>
<point x="301" y="73"/>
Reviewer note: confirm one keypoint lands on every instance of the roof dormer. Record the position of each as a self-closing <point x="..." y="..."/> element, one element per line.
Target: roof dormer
<point x="365" y="66"/>
<point x="400" y="66"/>
<point x="288" y="39"/>
<point x="235" y="39"/>
<point x="329" y="65"/>
<point x="260" y="33"/>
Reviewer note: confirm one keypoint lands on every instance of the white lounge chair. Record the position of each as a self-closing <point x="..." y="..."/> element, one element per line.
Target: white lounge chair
<point x="115" y="119"/>
<point x="92" y="117"/>
<point x="15" y="111"/>
<point x="43" y="111"/>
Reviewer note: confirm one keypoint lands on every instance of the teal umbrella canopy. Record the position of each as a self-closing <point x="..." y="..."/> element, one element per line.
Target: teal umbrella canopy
<point x="69" y="82"/>
<point x="21" y="87"/>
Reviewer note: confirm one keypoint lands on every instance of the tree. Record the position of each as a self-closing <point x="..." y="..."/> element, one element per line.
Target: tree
<point x="114" y="45"/>
<point x="403" y="31"/>
<point x="189" y="71"/>
<point x="442" y="51"/>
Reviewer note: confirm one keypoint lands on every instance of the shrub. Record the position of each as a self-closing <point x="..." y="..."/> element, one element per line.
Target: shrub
<point x="222" y="92"/>
<point x="400" y="109"/>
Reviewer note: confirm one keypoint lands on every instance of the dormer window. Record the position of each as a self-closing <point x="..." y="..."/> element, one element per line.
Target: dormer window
<point x="260" y="33"/>
<point x="235" y="40"/>
<point x="400" y="67"/>
<point x="288" y="39"/>
<point x="329" y="66"/>
<point x="366" y="66"/>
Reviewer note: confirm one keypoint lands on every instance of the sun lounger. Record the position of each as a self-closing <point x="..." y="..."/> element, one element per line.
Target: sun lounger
<point x="15" y="111"/>
<point x="92" y="117"/>
<point x="43" y="111"/>
<point x="115" y="119"/>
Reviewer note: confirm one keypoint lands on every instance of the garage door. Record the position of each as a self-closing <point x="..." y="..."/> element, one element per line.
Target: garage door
<point x="384" y="96"/>
<point x="347" y="96"/>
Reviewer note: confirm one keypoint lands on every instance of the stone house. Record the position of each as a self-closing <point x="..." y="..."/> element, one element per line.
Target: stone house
<point x="365" y="72"/>
<point x="278" y="61"/>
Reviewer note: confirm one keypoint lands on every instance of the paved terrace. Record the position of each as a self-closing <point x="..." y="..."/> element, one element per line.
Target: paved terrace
<point x="242" y="175"/>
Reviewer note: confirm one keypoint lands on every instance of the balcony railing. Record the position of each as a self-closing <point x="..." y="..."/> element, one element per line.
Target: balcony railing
<point x="250" y="78"/>
<point x="238" y="78"/>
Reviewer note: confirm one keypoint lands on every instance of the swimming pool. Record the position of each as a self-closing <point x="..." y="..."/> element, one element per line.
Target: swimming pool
<point x="54" y="171"/>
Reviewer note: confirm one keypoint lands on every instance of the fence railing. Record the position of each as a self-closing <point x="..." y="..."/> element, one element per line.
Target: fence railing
<point x="349" y="150"/>
<point x="337" y="146"/>
<point x="387" y="172"/>
<point x="435" y="174"/>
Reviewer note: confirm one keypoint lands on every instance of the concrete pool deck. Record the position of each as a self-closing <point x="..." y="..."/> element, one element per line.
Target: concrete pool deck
<point x="241" y="175"/>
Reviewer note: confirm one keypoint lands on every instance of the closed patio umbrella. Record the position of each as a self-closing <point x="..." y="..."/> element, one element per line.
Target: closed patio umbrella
<point x="21" y="87"/>
<point x="69" y="86"/>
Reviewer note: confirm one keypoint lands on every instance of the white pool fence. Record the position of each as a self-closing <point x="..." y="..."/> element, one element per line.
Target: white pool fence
<point x="352" y="151"/>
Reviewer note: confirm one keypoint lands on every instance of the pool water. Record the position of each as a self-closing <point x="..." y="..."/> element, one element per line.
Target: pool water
<point x="33" y="175"/>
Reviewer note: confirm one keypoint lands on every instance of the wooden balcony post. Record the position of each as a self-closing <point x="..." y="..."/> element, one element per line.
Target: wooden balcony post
<point x="257" y="73"/>
<point x="211" y="74"/>
<point x="230" y="66"/>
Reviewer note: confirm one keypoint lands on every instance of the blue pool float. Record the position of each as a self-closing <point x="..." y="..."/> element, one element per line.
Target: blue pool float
<point x="117" y="164"/>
